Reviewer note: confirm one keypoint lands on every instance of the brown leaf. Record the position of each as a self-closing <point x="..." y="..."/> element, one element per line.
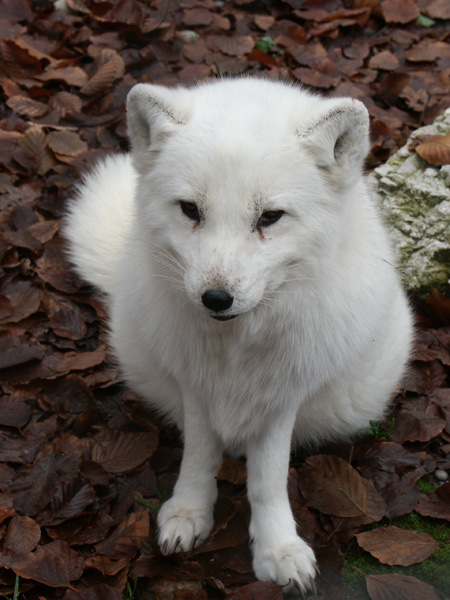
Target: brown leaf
<point x="101" y="81"/>
<point x="385" y="61"/>
<point x="69" y="500"/>
<point x="81" y="361"/>
<point x="171" y="568"/>
<point x="414" y="425"/>
<point x="65" y="103"/>
<point x="24" y="298"/>
<point x="436" y="505"/>
<point x="399" y="587"/>
<point x="33" y="142"/>
<point x="70" y="75"/>
<point x="22" y="535"/>
<point x="119" y="452"/>
<point x="19" y="10"/>
<point x="127" y="537"/>
<point x="428" y="50"/>
<point x="233" y="470"/>
<point x="26" y="106"/>
<point x="42" y="566"/>
<point x="197" y="16"/>
<point x="106" y="565"/>
<point x="66" y="142"/>
<point x="264" y="22"/>
<point x="72" y="559"/>
<point x="16" y="350"/>
<point x="259" y="590"/>
<point x="88" y="529"/>
<point x="399" y="11"/>
<point x="13" y="412"/>
<point x="436" y="150"/>
<point x="334" y="487"/>
<point x="438" y="9"/>
<point x="52" y="267"/>
<point x="237" y="45"/>
<point x="394" y="546"/>
<point x="99" y="591"/>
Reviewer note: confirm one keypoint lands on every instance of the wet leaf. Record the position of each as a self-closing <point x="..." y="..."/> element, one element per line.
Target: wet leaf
<point x="42" y="566"/>
<point x="436" y="150"/>
<point x="22" y="535"/>
<point x="259" y="590"/>
<point x="399" y="587"/>
<point x="120" y="452"/>
<point x="436" y="505"/>
<point x="66" y="142"/>
<point x="27" y="106"/>
<point x="13" y="412"/>
<point x="33" y="142"/>
<point x="394" y="546"/>
<point x="333" y="486"/>
<point x="399" y="11"/>
<point x="127" y="537"/>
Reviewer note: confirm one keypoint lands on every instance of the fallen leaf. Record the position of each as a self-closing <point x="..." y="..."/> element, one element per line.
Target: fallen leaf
<point x="13" y="412"/>
<point x="22" y="535"/>
<point x="119" y="452"/>
<point x="399" y="587"/>
<point x="237" y="45"/>
<point x="66" y="142"/>
<point x="197" y="16"/>
<point x="394" y="546"/>
<point x="334" y="487"/>
<point x="399" y="11"/>
<point x="385" y="61"/>
<point x="259" y="591"/>
<point x="42" y="566"/>
<point x="436" y="150"/>
<point x="33" y="142"/>
<point x="70" y="75"/>
<point x="127" y="537"/>
<point x="27" y="106"/>
<point x="16" y="350"/>
<point x="436" y="505"/>
<point x="428" y="50"/>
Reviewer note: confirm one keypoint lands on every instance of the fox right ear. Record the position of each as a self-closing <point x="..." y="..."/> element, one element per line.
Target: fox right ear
<point x="153" y="113"/>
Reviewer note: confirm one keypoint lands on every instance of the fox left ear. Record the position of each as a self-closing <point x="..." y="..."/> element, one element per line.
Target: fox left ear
<point x="153" y="113"/>
<point x="339" y="137"/>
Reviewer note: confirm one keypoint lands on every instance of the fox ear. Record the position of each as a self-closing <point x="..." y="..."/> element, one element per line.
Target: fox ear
<point x="339" y="137"/>
<point x="153" y="113"/>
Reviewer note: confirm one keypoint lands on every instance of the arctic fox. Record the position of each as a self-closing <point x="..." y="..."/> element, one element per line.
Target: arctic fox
<point x="251" y="288"/>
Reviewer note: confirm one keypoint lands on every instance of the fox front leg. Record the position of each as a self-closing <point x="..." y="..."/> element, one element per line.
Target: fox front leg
<point x="279" y="554"/>
<point x="186" y="519"/>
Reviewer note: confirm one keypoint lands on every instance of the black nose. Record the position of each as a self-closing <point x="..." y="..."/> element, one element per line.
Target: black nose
<point x="217" y="300"/>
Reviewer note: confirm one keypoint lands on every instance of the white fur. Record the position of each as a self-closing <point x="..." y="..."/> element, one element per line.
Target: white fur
<point x="323" y="328"/>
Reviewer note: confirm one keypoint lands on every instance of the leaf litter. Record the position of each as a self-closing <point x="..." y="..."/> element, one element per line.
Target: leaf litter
<point x="83" y="465"/>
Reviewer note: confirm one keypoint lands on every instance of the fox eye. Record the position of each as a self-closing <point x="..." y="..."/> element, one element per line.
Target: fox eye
<point x="269" y="217"/>
<point x="190" y="209"/>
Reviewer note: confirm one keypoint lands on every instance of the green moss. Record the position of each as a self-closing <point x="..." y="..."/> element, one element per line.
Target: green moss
<point x="426" y="486"/>
<point x="435" y="570"/>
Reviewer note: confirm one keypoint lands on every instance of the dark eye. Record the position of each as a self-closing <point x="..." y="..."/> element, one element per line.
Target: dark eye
<point x="269" y="217"/>
<point x="190" y="210"/>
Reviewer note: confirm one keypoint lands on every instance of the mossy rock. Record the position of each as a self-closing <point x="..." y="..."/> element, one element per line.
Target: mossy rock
<point x="415" y="199"/>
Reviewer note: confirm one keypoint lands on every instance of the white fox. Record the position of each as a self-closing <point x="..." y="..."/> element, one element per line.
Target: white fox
<point x="251" y="288"/>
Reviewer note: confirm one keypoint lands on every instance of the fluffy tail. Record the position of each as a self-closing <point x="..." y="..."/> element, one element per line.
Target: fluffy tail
<point x="98" y="218"/>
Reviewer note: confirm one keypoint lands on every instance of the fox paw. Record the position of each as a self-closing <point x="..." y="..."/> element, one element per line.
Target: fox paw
<point x="182" y="529"/>
<point x="292" y="565"/>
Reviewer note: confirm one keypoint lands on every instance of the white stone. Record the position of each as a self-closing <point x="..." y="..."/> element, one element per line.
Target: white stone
<point x="415" y="200"/>
<point x="441" y="475"/>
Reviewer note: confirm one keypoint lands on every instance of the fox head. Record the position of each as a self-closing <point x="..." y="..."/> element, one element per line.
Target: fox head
<point x="243" y="189"/>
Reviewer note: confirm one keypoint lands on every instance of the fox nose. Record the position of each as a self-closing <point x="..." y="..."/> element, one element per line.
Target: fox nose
<point x="217" y="300"/>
